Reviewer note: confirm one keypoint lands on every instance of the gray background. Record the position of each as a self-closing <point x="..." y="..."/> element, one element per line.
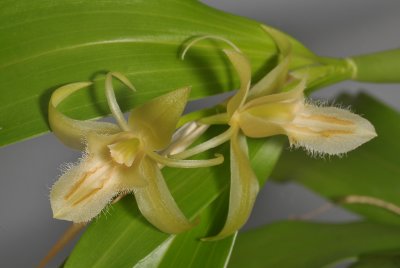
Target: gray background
<point x="331" y="28"/>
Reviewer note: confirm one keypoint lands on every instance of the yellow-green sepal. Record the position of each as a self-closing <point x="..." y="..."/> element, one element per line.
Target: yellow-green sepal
<point x="281" y="40"/>
<point x="70" y="131"/>
<point x="243" y="68"/>
<point x="272" y="82"/>
<point x="156" y="120"/>
<point x="156" y="202"/>
<point x="244" y="188"/>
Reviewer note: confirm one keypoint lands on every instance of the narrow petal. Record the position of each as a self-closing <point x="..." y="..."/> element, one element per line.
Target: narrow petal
<point x="329" y="130"/>
<point x="111" y="100"/>
<point x="293" y="95"/>
<point x="70" y="131"/>
<point x="281" y="40"/>
<point x="184" y="137"/>
<point x="202" y="147"/>
<point x="243" y="191"/>
<point x="275" y="79"/>
<point x="156" y="120"/>
<point x="205" y="37"/>
<point x="156" y="202"/>
<point x="178" y="163"/>
<point x="243" y="68"/>
<point x="83" y="191"/>
<point x="272" y="82"/>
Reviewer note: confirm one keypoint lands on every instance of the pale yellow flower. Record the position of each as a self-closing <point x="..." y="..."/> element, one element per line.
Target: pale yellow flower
<point x="263" y="111"/>
<point x="121" y="158"/>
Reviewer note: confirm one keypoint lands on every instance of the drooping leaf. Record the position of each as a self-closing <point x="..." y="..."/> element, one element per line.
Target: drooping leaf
<point x="45" y="45"/>
<point x="122" y="237"/>
<point x="372" y="170"/>
<point x="296" y="244"/>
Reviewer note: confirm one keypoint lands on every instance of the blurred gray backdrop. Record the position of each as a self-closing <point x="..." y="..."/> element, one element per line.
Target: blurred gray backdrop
<point x="331" y="28"/>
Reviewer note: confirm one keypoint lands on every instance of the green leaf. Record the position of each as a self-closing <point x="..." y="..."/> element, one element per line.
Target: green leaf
<point x="381" y="260"/>
<point x="122" y="237"/>
<point x="296" y="244"/>
<point x="372" y="170"/>
<point x="45" y="45"/>
<point x="187" y="250"/>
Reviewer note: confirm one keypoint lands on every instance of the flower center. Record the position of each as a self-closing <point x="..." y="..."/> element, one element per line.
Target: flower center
<point x="125" y="151"/>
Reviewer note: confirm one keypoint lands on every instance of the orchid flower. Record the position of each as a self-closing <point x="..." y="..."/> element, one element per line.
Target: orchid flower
<point x="263" y="111"/>
<point x="121" y="158"/>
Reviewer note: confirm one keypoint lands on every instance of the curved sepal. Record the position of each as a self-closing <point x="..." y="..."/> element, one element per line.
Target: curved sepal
<point x="293" y="95"/>
<point x="243" y="68"/>
<point x="112" y="101"/>
<point x="156" y="202"/>
<point x="243" y="191"/>
<point x="272" y="82"/>
<point x="70" y="131"/>
<point x="281" y="40"/>
<point x="275" y="79"/>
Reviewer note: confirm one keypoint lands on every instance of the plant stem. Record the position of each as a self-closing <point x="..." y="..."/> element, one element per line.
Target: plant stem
<point x="380" y="67"/>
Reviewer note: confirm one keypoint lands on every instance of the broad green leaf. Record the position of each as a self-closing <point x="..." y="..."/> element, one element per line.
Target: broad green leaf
<point x="122" y="237"/>
<point x="48" y="44"/>
<point x="381" y="260"/>
<point x="296" y="244"/>
<point x="371" y="170"/>
<point x="187" y="250"/>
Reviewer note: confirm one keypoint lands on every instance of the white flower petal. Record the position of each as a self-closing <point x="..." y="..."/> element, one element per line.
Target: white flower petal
<point x="328" y="130"/>
<point x="83" y="191"/>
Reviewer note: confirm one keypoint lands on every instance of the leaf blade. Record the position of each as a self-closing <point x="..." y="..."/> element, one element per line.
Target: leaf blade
<point x="311" y="245"/>
<point x="44" y="46"/>
<point x="198" y="189"/>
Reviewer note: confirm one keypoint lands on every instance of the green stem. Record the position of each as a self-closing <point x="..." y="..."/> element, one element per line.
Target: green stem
<point x="380" y="67"/>
<point x="329" y="71"/>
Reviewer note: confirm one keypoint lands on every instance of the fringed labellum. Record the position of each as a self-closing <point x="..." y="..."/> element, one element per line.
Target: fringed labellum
<point x="263" y="110"/>
<point x="121" y="158"/>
